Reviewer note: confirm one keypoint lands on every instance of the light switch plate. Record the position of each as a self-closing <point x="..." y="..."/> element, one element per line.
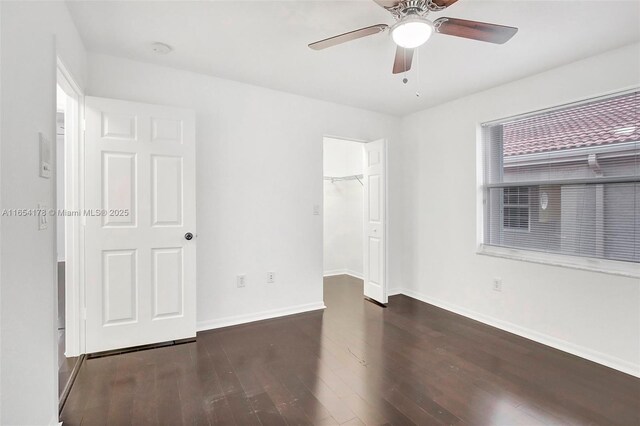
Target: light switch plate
<point x="43" y="218"/>
<point x="45" y="157"/>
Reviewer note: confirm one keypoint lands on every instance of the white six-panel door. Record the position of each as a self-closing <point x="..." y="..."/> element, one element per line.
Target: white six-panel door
<point x="375" y="220"/>
<point x="140" y="270"/>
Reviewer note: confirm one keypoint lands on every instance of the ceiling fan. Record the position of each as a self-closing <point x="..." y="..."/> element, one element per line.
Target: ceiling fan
<point x="412" y="29"/>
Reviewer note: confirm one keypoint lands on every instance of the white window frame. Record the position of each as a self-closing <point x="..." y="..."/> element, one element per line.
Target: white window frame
<point x="605" y="266"/>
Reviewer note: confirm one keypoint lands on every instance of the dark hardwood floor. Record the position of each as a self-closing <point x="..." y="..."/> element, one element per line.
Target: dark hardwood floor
<point x="355" y="363"/>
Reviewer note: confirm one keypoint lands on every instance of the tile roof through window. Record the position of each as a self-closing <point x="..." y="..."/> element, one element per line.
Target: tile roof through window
<point x="603" y="122"/>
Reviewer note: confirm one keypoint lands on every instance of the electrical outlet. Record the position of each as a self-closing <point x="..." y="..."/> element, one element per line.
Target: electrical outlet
<point x="497" y="284"/>
<point x="271" y="277"/>
<point x="240" y="281"/>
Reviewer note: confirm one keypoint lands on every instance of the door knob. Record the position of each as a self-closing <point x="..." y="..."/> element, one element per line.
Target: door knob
<point x="188" y="236"/>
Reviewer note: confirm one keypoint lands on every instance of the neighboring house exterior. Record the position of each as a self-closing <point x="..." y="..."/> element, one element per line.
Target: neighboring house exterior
<point x="561" y="157"/>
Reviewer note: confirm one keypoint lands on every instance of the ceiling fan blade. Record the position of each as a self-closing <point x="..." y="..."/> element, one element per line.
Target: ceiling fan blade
<point x="444" y="3"/>
<point x="388" y="3"/>
<point x="475" y="30"/>
<point x="352" y="35"/>
<point x="403" y="60"/>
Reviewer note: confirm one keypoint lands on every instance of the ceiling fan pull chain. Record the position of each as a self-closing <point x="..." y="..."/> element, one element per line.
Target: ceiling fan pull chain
<point x="405" y="80"/>
<point x="417" y="71"/>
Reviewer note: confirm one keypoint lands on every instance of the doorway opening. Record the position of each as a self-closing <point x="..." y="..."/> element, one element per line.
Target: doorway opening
<point x="343" y="208"/>
<point x="354" y="222"/>
<point x="67" y="225"/>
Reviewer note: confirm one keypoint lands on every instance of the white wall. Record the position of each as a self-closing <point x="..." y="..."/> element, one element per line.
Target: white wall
<point x="1" y="205"/>
<point x="591" y="314"/>
<point x="259" y="174"/>
<point x="343" y="208"/>
<point x="28" y="293"/>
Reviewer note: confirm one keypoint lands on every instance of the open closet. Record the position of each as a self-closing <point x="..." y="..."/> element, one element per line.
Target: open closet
<point x="343" y="208"/>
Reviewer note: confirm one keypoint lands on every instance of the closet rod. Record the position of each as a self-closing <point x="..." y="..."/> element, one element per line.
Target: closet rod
<point x="341" y="178"/>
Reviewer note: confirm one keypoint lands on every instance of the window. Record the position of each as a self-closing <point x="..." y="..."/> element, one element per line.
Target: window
<point x="566" y="180"/>
<point x="516" y="208"/>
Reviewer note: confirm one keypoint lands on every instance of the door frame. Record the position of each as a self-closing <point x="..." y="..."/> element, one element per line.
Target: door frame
<point x="74" y="202"/>
<point x="385" y="287"/>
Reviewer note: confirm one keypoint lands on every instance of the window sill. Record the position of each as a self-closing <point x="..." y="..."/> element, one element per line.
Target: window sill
<point x="611" y="267"/>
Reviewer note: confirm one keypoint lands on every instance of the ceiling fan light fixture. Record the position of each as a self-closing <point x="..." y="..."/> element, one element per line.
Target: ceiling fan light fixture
<point x="411" y="32"/>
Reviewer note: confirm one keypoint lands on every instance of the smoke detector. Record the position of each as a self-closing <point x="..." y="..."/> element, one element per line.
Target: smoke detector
<point x="161" y="48"/>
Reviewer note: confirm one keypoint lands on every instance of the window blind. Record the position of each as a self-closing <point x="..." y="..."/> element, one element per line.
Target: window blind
<point x="566" y="180"/>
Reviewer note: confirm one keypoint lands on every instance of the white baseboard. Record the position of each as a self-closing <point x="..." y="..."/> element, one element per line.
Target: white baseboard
<point x="355" y="274"/>
<point x="554" y="342"/>
<point x="394" y="291"/>
<point x="258" y="316"/>
<point x="334" y="272"/>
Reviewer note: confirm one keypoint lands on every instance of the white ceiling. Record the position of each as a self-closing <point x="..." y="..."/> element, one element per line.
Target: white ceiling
<point x="265" y="43"/>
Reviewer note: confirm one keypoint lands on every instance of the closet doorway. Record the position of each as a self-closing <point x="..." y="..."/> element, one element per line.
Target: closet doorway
<point x="355" y="211"/>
